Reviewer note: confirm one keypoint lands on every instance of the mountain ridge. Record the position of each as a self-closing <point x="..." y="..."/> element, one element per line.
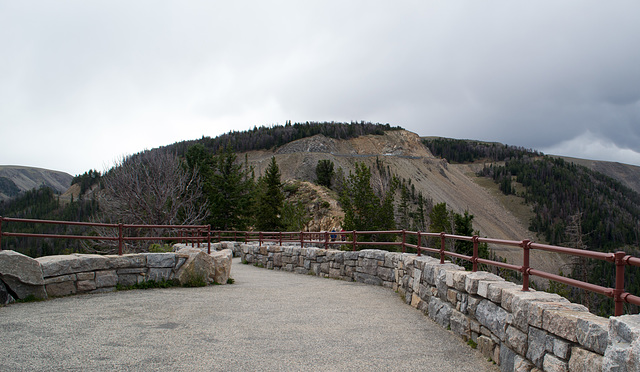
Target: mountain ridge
<point x="15" y="179"/>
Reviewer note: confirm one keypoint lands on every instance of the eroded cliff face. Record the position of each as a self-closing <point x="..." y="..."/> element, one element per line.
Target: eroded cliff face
<point x="406" y="157"/>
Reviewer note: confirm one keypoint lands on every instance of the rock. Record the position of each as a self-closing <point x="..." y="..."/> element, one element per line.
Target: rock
<point x="537" y="345"/>
<point x="127" y="260"/>
<point x="520" y="364"/>
<point x="486" y="346"/>
<point x="460" y="324"/>
<point x="107" y="278"/>
<point x="584" y="361"/>
<point x="72" y="263"/>
<point x="623" y="352"/>
<point x="61" y="289"/>
<point x="517" y="340"/>
<point x="165" y="259"/>
<point x="562" y="323"/>
<point x="21" y="275"/>
<point x="593" y="333"/>
<point x="554" y="364"/>
<point x="493" y="317"/>
<point x="198" y="266"/>
<point x="440" y="311"/>
<point x="507" y="359"/>
<point x="473" y="281"/>
<point x="222" y="263"/>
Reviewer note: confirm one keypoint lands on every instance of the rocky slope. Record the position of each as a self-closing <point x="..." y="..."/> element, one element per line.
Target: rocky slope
<point x="408" y="158"/>
<point x="19" y="178"/>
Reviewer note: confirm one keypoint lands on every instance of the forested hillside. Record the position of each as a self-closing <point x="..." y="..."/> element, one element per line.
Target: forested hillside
<point x="573" y="207"/>
<point x="263" y="138"/>
<point x="43" y="203"/>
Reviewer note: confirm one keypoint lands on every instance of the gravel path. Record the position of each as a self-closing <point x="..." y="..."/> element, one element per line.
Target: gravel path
<point x="268" y="320"/>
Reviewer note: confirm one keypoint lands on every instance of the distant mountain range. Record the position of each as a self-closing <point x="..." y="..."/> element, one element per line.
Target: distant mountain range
<point x="16" y="179"/>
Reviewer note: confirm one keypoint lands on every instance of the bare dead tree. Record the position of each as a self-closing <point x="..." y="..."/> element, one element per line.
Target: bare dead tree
<point x="579" y="264"/>
<point x="151" y="188"/>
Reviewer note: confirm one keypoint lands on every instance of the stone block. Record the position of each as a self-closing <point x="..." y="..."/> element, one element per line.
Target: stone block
<point x="86" y="276"/>
<point x="163" y="259"/>
<point x="61" y="278"/>
<point x="537" y="345"/>
<point x="584" y="361"/>
<point x="554" y="364"/>
<point x="592" y="332"/>
<point x="135" y="270"/>
<point x="127" y="260"/>
<point x="456" y="279"/>
<point x="562" y="323"/>
<point x="368" y="266"/>
<point x="473" y="280"/>
<point x="494" y="290"/>
<point x="507" y="359"/>
<point x="460" y="325"/>
<point x="516" y="340"/>
<point x="452" y="296"/>
<point x="440" y="311"/>
<point x="73" y="263"/>
<point x="107" y="278"/>
<point x="386" y="274"/>
<point x="130" y="279"/>
<point x="493" y="317"/>
<point x="417" y="277"/>
<point x="367" y="279"/>
<point x="61" y="289"/>
<point x="521" y="364"/>
<point x="158" y="274"/>
<point x="86" y="285"/>
<point x="486" y="346"/>
<point x="623" y="352"/>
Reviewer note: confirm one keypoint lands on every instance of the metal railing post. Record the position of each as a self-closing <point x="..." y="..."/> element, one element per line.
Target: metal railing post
<point x="326" y="242"/>
<point x="419" y="242"/>
<point x="301" y="239"/>
<point x="260" y="239"/>
<point x="442" y="242"/>
<point x="475" y="254"/>
<point x="354" y="240"/>
<point x="1" y="218"/>
<point x="280" y="238"/>
<point x="120" y="239"/>
<point x="404" y="241"/>
<point x="526" y="247"/>
<point x="617" y="292"/>
<point x="208" y="239"/>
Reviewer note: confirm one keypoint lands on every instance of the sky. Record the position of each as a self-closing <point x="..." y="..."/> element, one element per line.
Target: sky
<point x="83" y="83"/>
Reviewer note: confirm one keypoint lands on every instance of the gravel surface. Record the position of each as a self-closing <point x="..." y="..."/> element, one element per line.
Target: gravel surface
<point x="267" y="320"/>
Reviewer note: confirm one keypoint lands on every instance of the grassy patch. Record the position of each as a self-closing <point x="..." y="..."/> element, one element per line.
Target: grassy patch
<point x="163" y="283"/>
<point x="160" y="248"/>
<point x="472" y="343"/>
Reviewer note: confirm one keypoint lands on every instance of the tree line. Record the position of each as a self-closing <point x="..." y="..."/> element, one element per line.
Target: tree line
<point x="269" y="137"/>
<point x="465" y="151"/>
<point x="576" y="207"/>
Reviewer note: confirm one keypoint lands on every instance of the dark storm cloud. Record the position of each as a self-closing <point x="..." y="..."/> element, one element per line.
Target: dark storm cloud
<point x="549" y="75"/>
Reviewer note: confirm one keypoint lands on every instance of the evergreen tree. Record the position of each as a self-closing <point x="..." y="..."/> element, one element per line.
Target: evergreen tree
<point x="364" y="210"/>
<point x="270" y="200"/>
<point x="324" y="172"/>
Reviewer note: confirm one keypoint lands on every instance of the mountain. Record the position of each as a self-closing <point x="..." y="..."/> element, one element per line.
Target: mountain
<point x="628" y="174"/>
<point x="17" y="179"/>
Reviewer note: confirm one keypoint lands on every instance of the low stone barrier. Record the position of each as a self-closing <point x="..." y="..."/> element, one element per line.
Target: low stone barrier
<point x="520" y="331"/>
<point x="63" y="275"/>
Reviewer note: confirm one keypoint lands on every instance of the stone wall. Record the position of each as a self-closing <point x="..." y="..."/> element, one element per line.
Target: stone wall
<point x="63" y="275"/>
<point x="520" y="331"/>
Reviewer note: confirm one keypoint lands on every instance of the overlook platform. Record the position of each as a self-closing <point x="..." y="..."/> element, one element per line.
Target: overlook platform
<point x="267" y="320"/>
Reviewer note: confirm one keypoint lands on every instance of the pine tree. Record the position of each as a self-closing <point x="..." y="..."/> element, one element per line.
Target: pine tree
<point x="270" y="200"/>
<point x="324" y="172"/>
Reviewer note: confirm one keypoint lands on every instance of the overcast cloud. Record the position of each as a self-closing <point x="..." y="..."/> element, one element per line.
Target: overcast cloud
<point x="83" y="83"/>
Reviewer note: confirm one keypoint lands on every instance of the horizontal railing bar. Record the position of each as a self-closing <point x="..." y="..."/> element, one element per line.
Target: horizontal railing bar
<point x="572" y="282"/>
<point x="575" y="252"/>
<point x="53" y="222"/>
<point x="500" y="242"/>
<point x="500" y="264"/>
<point x="55" y="236"/>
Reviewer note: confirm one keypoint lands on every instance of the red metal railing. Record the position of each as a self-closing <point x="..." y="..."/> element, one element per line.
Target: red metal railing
<point x="346" y="238"/>
<point x="350" y="238"/>
<point x="189" y="233"/>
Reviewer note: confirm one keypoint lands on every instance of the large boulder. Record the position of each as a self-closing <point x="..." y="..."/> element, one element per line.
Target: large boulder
<point x="22" y="275"/>
<point x="222" y="261"/>
<point x="198" y="266"/>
